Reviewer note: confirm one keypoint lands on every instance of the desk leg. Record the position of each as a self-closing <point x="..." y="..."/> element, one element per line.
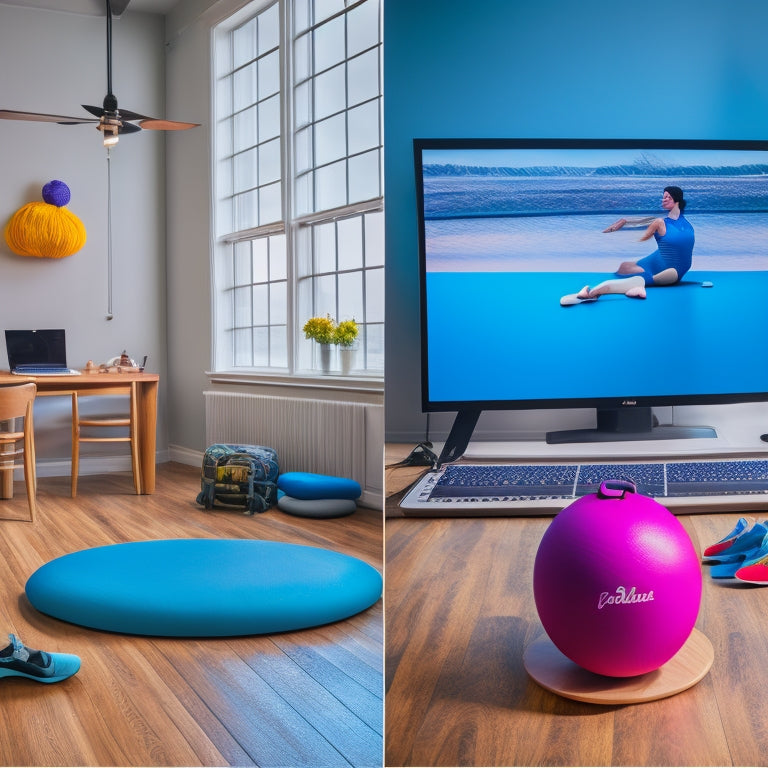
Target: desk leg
<point x="147" y="407"/>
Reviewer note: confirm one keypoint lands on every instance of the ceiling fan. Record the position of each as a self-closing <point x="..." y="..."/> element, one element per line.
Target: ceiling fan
<point x="111" y="121"/>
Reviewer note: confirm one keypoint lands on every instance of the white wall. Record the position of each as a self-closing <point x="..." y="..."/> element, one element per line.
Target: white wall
<point x="189" y="232"/>
<point x="53" y="62"/>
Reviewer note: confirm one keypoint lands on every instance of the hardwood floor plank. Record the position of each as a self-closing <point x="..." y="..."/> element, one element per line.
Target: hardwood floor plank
<point x="342" y="678"/>
<point x="359" y="658"/>
<point x="46" y="723"/>
<point x="312" y="698"/>
<point x="735" y="618"/>
<point x="266" y="726"/>
<point x="432" y="632"/>
<point x="301" y="698"/>
<point x="685" y="731"/>
<point x="460" y="612"/>
<point x="190" y="713"/>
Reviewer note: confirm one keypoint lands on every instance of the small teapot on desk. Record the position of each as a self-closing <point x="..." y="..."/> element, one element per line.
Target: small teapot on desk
<point x="120" y="364"/>
<point x="123" y="361"/>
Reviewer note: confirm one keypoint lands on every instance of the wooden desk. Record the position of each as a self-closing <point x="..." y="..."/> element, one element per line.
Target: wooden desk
<point x="460" y="612"/>
<point x="147" y="412"/>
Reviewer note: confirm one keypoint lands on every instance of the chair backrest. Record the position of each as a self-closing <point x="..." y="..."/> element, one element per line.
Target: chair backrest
<point x="15" y="400"/>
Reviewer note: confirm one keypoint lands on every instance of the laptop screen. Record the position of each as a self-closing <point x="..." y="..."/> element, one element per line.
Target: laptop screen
<point x="44" y="347"/>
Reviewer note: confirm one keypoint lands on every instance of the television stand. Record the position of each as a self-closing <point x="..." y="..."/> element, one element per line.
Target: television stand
<point x="628" y="424"/>
<point x="613" y="425"/>
<point x="459" y="436"/>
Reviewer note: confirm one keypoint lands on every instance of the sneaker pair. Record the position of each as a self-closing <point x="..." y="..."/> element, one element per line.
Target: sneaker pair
<point x="741" y="556"/>
<point x="16" y="660"/>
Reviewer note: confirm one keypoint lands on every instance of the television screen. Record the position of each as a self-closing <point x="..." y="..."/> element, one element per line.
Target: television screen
<point x="560" y="273"/>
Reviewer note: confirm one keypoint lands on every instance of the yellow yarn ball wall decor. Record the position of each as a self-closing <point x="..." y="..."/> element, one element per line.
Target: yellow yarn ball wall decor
<point x="46" y="229"/>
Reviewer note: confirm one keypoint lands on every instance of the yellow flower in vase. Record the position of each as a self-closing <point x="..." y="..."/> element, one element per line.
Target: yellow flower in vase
<point x="321" y="329"/>
<point x="345" y="333"/>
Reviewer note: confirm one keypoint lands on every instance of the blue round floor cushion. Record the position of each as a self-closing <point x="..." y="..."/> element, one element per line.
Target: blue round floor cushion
<point x="306" y="485"/>
<point x="203" y="587"/>
<point x="319" y="508"/>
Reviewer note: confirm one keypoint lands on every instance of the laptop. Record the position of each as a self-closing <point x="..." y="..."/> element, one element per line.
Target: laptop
<point x="40" y="352"/>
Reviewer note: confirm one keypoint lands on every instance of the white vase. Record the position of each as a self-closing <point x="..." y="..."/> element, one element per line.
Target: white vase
<point x="347" y="357"/>
<point x="325" y="358"/>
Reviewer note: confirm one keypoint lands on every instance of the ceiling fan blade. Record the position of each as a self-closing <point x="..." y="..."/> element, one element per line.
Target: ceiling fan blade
<point x="166" y="125"/>
<point x="39" y="117"/>
<point x="125" y="114"/>
<point x="109" y="118"/>
<point x="97" y="111"/>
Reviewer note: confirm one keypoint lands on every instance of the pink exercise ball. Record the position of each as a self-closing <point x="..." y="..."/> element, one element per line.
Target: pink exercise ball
<point x="617" y="582"/>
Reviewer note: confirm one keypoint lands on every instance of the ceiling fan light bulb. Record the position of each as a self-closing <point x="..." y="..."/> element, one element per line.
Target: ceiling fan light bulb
<point x="110" y="139"/>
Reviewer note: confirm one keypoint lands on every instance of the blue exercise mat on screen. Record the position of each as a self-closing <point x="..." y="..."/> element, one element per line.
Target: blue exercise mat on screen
<point x="203" y="587"/>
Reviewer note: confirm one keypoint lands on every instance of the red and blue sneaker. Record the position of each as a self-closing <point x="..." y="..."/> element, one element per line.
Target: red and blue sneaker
<point x="754" y="571"/>
<point x="728" y="540"/>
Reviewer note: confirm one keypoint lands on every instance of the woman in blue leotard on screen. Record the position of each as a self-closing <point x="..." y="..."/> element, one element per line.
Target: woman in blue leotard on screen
<point x="665" y="266"/>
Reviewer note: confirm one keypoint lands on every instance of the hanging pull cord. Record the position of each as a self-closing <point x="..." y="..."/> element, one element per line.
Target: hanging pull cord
<point x="109" y="234"/>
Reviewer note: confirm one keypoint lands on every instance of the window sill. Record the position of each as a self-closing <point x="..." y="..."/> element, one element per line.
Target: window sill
<point x="328" y="381"/>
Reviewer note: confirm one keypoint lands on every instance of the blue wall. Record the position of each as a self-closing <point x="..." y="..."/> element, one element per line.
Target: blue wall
<point x="549" y="68"/>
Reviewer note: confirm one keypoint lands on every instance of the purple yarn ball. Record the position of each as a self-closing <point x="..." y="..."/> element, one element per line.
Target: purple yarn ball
<point x="56" y="193"/>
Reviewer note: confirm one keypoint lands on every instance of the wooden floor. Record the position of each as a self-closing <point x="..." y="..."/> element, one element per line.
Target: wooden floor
<point x="460" y="612"/>
<point x="309" y="698"/>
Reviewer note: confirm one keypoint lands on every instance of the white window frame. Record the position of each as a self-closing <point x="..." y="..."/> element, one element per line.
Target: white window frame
<point x="298" y="351"/>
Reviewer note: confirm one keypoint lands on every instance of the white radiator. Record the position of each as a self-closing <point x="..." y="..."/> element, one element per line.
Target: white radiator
<point x="326" y="437"/>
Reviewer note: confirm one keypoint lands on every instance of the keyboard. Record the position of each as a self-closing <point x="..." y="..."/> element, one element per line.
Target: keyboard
<point x="33" y="370"/>
<point x="553" y="486"/>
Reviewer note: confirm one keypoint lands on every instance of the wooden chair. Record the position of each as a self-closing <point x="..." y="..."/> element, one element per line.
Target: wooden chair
<point x="16" y="402"/>
<point x="130" y="422"/>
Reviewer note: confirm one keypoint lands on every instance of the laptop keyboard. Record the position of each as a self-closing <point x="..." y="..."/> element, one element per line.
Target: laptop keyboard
<point x="45" y="370"/>
<point x="469" y="483"/>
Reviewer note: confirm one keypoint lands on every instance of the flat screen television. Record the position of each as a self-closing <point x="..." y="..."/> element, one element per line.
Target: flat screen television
<point x="508" y="228"/>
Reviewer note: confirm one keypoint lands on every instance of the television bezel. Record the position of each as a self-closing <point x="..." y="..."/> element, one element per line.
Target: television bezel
<point x="623" y="402"/>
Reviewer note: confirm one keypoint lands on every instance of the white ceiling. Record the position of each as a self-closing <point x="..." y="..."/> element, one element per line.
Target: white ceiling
<point x="94" y="7"/>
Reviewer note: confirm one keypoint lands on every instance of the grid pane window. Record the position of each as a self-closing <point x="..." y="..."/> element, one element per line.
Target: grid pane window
<point x="245" y="125"/>
<point x="350" y="246"/>
<point x="362" y="28"/>
<point x="304" y="101"/>
<point x="269" y="74"/>
<point x="269" y="119"/>
<point x="343" y="54"/>
<point x="259" y="290"/>
<point x="269" y="28"/>
<point x="244" y="86"/>
<point x="329" y="44"/>
<point x="363" y="173"/>
<point x="330" y="93"/>
<point x="248" y="107"/>
<point x="363" y="128"/>
<point x="363" y="78"/>
<point x="343" y="282"/>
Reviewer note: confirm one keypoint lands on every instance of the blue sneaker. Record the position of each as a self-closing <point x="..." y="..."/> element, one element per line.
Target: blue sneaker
<point x="743" y="546"/>
<point x="16" y="660"/>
